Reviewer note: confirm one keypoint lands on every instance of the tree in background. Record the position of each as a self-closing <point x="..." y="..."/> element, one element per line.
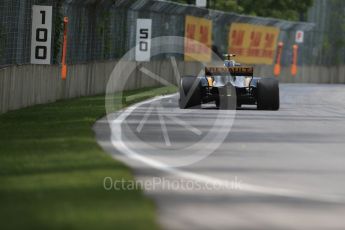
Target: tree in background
<point x="282" y="9"/>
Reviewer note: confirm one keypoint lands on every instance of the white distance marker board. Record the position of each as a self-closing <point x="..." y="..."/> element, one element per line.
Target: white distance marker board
<point x="143" y="40"/>
<point x="41" y="34"/>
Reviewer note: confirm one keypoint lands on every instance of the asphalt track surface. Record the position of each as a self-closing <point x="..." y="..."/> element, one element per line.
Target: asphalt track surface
<point x="274" y="169"/>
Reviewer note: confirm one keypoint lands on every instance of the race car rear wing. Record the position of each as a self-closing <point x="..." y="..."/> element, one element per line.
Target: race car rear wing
<point x="233" y="71"/>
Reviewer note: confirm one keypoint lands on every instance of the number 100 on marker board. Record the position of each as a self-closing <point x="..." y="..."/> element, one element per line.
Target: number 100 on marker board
<point x="41" y="34"/>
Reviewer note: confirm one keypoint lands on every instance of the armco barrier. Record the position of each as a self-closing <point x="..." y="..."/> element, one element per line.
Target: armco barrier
<point x="27" y="85"/>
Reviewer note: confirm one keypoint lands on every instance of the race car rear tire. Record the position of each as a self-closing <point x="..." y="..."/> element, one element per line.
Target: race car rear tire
<point x="268" y="94"/>
<point x="187" y="84"/>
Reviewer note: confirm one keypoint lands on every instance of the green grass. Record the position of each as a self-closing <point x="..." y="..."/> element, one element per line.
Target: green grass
<point x="52" y="170"/>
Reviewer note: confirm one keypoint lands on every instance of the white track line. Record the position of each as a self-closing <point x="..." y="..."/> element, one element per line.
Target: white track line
<point x="165" y="130"/>
<point x="116" y="140"/>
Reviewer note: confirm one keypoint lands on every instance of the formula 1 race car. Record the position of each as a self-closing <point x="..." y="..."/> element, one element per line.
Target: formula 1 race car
<point x="230" y="87"/>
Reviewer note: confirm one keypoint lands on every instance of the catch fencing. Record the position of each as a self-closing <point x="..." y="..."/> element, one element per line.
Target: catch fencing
<point x="105" y="30"/>
<point x="325" y="43"/>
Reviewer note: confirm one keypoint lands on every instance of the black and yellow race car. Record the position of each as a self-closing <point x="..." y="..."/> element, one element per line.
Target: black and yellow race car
<point x="229" y="87"/>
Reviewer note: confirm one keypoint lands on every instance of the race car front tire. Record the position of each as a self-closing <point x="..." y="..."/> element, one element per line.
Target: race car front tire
<point x="268" y="94"/>
<point x="189" y="92"/>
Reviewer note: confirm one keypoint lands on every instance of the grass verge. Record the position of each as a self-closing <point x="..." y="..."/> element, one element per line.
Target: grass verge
<point x="52" y="170"/>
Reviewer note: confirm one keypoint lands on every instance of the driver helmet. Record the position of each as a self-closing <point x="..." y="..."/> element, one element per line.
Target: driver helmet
<point x="229" y="63"/>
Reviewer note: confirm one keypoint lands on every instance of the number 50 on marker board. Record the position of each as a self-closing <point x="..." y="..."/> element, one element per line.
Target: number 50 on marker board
<point x="143" y="41"/>
<point x="41" y="34"/>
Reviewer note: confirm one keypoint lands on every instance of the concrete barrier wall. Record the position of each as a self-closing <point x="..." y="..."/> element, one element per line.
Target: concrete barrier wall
<point x="307" y="74"/>
<point x="27" y="85"/>
<point x="22" y="86"/>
